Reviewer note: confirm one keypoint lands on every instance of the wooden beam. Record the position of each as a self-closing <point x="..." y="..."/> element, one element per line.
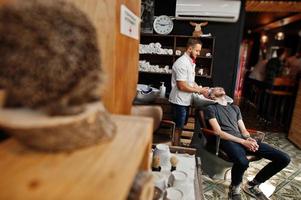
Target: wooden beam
<point x="273" y="6"/>
<point x="279" y="23"/>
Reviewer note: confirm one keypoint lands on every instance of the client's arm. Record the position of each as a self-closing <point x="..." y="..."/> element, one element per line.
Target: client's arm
<point x="243" y="129"/>
<point x="249" y="144"/>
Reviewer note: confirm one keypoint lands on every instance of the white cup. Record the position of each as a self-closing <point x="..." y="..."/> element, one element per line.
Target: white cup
<point x="201" y="71"/>
<point x="180" y="181"/>
<point x="179" y="178"/>
<point x="159" y="180"/>
<point x="162" y="150"/>
<point x="174" y="194"/>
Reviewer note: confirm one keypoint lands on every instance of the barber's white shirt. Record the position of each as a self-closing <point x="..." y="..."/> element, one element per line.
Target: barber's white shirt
<point x="182" y="70"/>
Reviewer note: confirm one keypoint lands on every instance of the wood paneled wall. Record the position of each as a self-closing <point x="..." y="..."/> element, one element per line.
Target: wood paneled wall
<point x="272" y="6"/>
<point x="295" y="130"/>
<point x="127" y="57"/>
<point x="119" y="54"/>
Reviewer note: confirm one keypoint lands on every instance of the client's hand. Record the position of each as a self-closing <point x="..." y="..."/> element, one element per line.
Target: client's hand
<point x="250" y="144"/>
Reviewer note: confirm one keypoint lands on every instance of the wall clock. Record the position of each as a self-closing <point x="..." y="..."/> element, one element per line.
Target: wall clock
<point x="163" y="24"/>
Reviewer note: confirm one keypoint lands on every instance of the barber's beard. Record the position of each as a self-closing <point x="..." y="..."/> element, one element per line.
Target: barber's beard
<point x="192" y="58"/>
<point x="191" y="55"/>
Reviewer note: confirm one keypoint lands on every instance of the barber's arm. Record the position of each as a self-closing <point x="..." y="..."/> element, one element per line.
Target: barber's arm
<point x="185" y="87"/>
<point x="249" y="144"/>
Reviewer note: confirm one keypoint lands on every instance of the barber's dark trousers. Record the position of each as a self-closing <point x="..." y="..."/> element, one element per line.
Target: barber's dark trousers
<point x="237" y="154"/>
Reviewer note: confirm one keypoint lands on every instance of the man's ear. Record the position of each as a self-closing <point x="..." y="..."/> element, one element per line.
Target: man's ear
<point x="212" y="97"/>
<point x="189" y="49"/>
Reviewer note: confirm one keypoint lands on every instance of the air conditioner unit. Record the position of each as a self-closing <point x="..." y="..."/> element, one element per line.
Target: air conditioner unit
<point x="208" y="10"/>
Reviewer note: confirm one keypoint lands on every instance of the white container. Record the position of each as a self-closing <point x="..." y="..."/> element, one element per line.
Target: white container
<point x="180" y="180"/>
<point x="162" y="90"/>
<point x="162" y="150"/>
<point x="174" y="194"/>
<point x="159" y="180"/>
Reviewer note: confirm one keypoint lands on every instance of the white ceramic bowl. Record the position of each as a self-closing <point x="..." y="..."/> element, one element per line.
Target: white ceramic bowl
<point x="159" y="180"/>
<point x="179" y="178"/>
<point x="174" y="194"/>
<point x="146" y="94"/>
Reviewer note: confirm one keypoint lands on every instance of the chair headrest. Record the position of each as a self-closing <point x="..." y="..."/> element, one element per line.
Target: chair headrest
<point x="200" y="101"/>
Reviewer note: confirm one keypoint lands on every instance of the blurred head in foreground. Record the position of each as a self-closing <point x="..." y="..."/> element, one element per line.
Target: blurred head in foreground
<point x="49" y="56"/>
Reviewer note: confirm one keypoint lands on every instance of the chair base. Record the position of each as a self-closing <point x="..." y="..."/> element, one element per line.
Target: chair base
<point x="213" y="166"/>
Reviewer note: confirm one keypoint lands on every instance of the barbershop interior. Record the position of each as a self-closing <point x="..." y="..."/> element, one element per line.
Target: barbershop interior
<point x="150" y="99"/>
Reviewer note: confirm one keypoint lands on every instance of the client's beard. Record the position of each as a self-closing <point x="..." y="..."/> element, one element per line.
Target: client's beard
<point x="219" y="95"/>
<point x="221" y="99"/>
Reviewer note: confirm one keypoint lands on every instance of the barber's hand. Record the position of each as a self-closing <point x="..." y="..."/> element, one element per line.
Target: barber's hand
<point x="250" y="144"/>
<point x="206" y="92"/>
<point x="203" y="90"/>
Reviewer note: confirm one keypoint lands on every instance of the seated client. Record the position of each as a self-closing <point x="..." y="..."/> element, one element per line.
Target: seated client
<point x="226" y="120"/>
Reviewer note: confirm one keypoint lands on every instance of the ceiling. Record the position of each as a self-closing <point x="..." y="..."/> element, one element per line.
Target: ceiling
<point x="260" y="14"/>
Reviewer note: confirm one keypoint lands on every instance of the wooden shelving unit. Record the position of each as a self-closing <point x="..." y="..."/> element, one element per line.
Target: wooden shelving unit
<point x="104" y="171"/>
<point x="178" y="42"/>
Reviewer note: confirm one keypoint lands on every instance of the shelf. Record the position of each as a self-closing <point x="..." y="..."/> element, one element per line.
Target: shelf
<point x="158" y="73"/>
<point x="102" y="171"/>
<point x="205" y="57"/>
<point x="155" y="35"/>
<point x="179" y="36"/>
<point x="176" y="42"/>
<point x="155" y="73"/>
<point x="150" y="54"/>
<point x="203" y="76"/>
<point x="201" y="57"/>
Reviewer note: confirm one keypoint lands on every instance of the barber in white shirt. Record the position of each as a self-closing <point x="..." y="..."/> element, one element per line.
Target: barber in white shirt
<point x="183" y="85"/>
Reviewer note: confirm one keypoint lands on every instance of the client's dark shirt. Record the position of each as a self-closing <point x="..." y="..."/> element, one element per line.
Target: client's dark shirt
<point x="226" y="116"/>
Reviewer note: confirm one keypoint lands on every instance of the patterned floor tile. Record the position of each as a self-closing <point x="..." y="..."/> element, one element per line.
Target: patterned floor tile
<point x="287" y="183"/>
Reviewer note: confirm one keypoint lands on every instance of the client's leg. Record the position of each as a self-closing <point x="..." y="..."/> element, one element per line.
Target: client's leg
<point x="237" y="154"/>
<point x="279" y="161"/>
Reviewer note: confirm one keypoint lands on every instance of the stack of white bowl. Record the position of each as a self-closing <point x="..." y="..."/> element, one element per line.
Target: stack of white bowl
<point x="145" y="66"/>
<point x="154" y="48"/>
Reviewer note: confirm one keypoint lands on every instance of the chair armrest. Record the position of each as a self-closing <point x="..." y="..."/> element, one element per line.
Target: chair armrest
<point x="177" y="149"/>
<point x="172" y="125"/>
<point x="217" y="141"/>
<point x="208" y="132"/>
<point x="257" y="135"/>
<point x="168" y="122"/>
<point x="251" y="131"/>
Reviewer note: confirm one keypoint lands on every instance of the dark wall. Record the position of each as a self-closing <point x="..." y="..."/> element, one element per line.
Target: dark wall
<point x="228" y="37"/>
<point x="292" y="41"/>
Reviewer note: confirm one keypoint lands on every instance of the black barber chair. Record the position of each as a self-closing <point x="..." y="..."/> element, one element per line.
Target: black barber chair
<point x="215" y="162"/>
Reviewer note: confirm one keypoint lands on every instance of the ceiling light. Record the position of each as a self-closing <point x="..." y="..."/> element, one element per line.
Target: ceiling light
<point x="279" y="36"/>
<point x="264" y="38"/>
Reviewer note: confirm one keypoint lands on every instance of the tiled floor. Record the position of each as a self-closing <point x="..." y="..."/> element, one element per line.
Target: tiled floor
<point x="286" y="184"/>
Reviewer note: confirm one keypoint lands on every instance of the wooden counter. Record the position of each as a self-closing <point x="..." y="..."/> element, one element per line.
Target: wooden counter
<point x="104" y="171"/>
<point x="295" y="129"/>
